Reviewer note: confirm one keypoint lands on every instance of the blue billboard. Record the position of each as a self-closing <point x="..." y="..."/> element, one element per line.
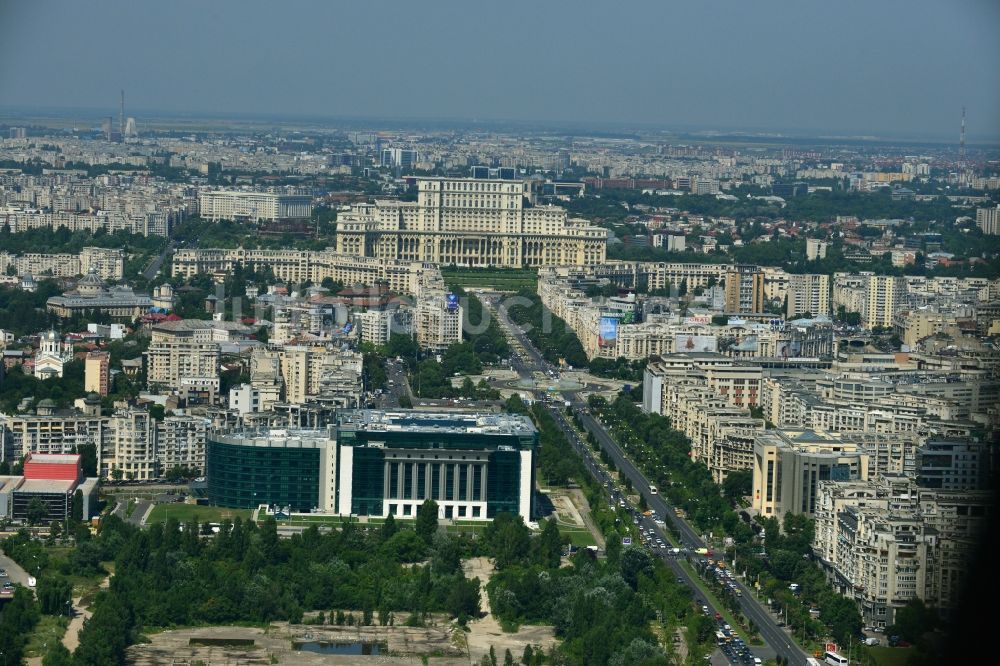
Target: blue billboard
<point x="607" y="331"/>
<point x="451" y="301"/>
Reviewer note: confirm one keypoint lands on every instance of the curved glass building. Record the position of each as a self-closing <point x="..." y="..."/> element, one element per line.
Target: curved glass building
<point x="282" y="468"/>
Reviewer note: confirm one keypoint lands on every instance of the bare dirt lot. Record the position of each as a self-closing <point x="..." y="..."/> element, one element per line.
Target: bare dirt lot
<point x="486" y="631"/>
<point x="275" y="645"/>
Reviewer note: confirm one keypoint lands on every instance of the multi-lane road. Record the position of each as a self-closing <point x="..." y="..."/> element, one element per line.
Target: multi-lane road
<point x="529" y="362"/>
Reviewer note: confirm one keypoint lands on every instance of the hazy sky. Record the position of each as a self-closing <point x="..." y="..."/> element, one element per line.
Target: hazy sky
<point x="854" y="66"/>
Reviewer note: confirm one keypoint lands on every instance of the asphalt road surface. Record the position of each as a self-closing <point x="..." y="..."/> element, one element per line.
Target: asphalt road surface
<point x="15" y="573"/>
<point x="154" y="266"/>
<point x="530" y="362"/>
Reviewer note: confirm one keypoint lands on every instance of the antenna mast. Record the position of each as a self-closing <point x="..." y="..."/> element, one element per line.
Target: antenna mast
<point x="121" y="118"/>
<point x="961" y="142"/>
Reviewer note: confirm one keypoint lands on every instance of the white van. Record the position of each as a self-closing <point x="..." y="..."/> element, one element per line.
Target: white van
<point x="652" y="490"/>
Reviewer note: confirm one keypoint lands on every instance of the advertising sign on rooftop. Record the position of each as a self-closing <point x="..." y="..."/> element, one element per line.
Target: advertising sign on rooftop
<point x="695" y="343"/>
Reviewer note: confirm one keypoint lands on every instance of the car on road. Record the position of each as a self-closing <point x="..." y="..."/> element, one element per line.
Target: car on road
<point x="3" y="573"/>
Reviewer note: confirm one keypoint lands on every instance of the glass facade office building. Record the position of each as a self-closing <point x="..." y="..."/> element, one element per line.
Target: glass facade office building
<point x="279" y="468"/>
<point x="473" y="466"/>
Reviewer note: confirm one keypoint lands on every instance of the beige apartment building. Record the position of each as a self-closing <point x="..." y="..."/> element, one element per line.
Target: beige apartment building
<point x="877" y="298"/>
<point x="49" y="431"/>
<point x="789" y="464"/>
<point x="917" y="324"/>
<point x="884" y="296"/>
<point x="130" y="446"/>
<point x="297" y="266"/>
<point x="187" y="349"/>
<point x="988" y="220"/>
<point x="96" y="368"/>
<point x="887" y="541"/>
<point x="470" y="222"/>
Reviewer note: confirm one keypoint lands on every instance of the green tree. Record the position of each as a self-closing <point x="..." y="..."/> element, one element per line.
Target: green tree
<point x="54" y="594"/>
<point x="389" y="527"/>
<point x="76" y="511"/>
<point x="549" y="545"/>
<point x="914" y="620"/>
<point x="427" y="520"/>
<point x="463" y="597"/>
<point x="508" y="540"/>
<point x="738" y="484"/>
<point x="515" y="405"/>
<point x="57" y="655"/>
<point x="36" y="511"/>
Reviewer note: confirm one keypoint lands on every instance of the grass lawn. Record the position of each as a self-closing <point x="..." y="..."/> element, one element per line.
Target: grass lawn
<point x="887" y="656"/>
<point x="578" y="536"/>
<point x="49" y="630"/>
<point x="187" y="512"/>
<point x="495" y="279"/>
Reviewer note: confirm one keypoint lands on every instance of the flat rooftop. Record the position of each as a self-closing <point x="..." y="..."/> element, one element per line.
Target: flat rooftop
<point x="55" y="458"/>
<point x="478" y="423"/>
<point x="45" y="486"/>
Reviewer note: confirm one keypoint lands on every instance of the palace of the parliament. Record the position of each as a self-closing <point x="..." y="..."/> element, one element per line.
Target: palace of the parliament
<point x="470" y="222"/>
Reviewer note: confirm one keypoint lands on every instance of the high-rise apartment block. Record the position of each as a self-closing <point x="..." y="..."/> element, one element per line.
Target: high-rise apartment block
<point x="885" y="295"/>
<point x="130" y="449"/>
<point x="988" y="220"/>
<point x="808" y="294"/>
<point x="744" y="289"/>
<point x="96" y="373"/>
<point x="470" y="222"/>
<point x="877" y="298"/>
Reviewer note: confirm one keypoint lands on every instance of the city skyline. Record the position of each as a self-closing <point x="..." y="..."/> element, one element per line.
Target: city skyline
<point x="854" y="70"/>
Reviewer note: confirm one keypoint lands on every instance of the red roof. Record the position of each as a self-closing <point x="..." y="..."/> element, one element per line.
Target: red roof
<point x="53" y="467"/>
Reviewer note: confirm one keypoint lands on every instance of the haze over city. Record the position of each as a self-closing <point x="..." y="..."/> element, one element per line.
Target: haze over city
<point x="858" y="68"/>
<point x="641" y="333"/>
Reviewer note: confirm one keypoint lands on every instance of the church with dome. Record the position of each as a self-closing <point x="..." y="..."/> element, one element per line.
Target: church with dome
<point x="52" y="355"/>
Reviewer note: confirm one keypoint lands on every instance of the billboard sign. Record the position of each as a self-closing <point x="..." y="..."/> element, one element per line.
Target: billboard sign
<point x="451" y="301"/>
<point x="607" y="331"/>
<point x="695" y="343"/>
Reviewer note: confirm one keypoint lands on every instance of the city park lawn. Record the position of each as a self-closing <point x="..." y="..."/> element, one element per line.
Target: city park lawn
<point x="188" y="512"/>
<point x="891" y="656"/>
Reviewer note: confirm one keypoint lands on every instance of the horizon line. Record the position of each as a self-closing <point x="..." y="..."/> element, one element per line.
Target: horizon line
<point x="684" y="130"/>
